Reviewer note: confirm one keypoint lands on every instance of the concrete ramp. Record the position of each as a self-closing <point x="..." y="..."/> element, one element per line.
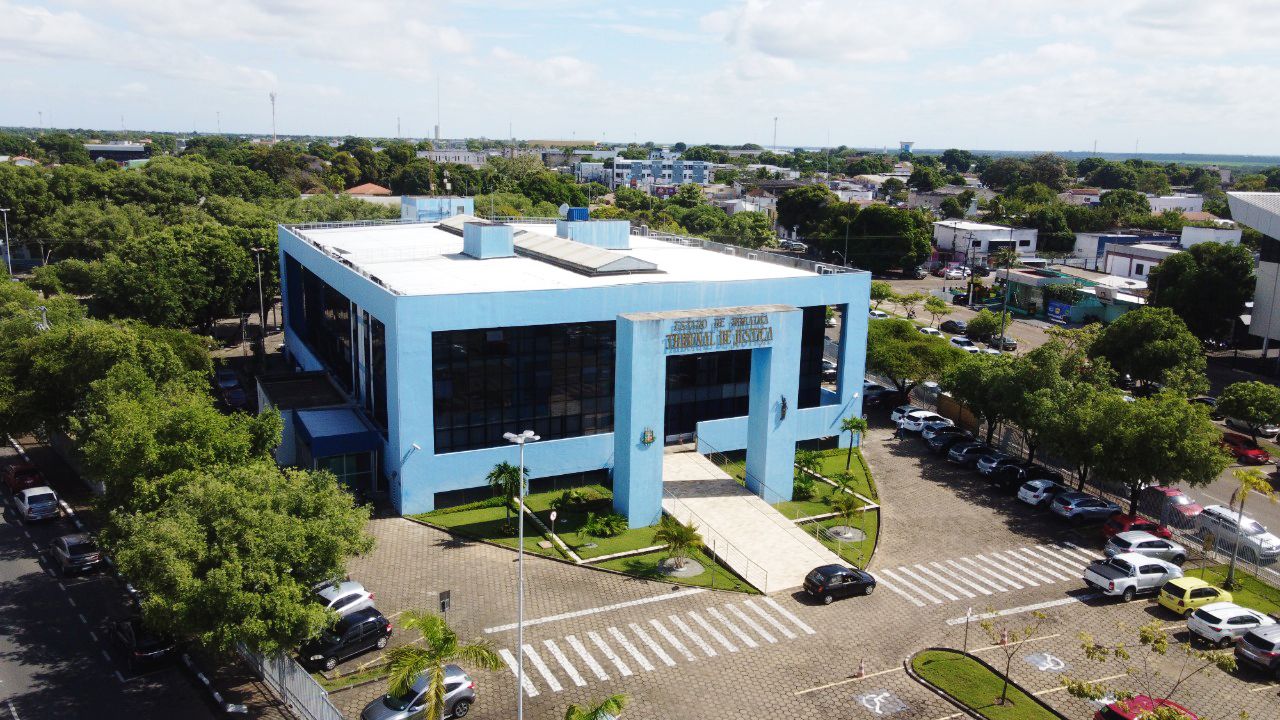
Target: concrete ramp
<point x="759" y="543"/>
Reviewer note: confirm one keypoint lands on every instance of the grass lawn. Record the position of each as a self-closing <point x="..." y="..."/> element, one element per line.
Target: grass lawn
<point x="373" y="673"/>
<point x="568" y="523"/>
<point x="488" y="523"/>
<point x="646" y="566"/>
<point x="833" y="464"/>
<point x="855" y="553"/>
<point x="977" y="687"/>
<point x="833" y="461"/>
<point x="1254" y="593"/>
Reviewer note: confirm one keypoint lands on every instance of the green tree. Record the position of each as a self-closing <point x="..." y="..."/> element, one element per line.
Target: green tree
<point x="90" y="229"/>
<point x="1048" y="169"/>
<point x="898" y="351"/>
<point x="951" y="208"/>
<point x="937" y="308"/>
<point x="707" y="220"/>
<point x="884" y="237"/>
<point x="957" y="160"/>
<point x="806" y="208"/>
<point x="1054" y="232"/>
<point x="978" y="382"/>
<point x="416" y="177"/>
<point x="983" y="325"/>
<point x="632" y="200"/>
<point x="1152" y="345"/>
<point x="1207" y="286"/>
<point x="688" y="195"/>
<point x="749" y="229"/>
<point x="1113" y="176"/>
<point x="1126" y="201"/>
<point x="25" y="194"/>
<point x="925" y="179"/>
<point x="1250" y="480"/>
<point x="856" y="427"/>
<point x="1003" y="173"/>
<point x="1085" y="414"/>
<point x="231" y="552"/>
<point x="1154" y="181"/>
<point x="608" y="709"/>
<point x="65" y="148"/>
<point x="880" y="292"/>
<point x="726" y="176"/>
<point x="505" y="480"/>
<point x="1253" y="402"/>
<point x="680" y="538"/>
<point x="894" y="190"/>
<point x="906" y="303"/>
<point x="439" y="647"/>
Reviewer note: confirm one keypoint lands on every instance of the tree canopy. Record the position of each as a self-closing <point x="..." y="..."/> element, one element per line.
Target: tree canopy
<point x="900" y="352"/>
<point x="1207" y="286"/>
<point x="1153" y="345"/>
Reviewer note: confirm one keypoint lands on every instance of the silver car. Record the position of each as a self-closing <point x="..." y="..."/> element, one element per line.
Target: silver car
<point x="1144" y="543"/>
<point x="345" y="598"/>
<point x="459" y="696"/>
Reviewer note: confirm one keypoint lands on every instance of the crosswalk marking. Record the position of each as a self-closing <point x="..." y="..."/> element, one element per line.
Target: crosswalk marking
<point x="789" y="615"/>
<point x="581" y="649"/>
<point x="696" y="638"/>
<point x="714" y="633"/>
<point x="641" y="660"/>
<point x="568" y="667"/>
<point x="999" y="563"/>
<point x="945" y="581"/>
<point x="1050" y="559"/>
<point x="542" y="668"/>
<point x="881" y="583"/>
<point x="609" y="653"/>
<point x="962" y="578"/>
<point x="1077" y="550"/>
<point x="786" y="631"/>
<point x="1057" y="554"/>
<point x="510" y="660"/>
<point x="976" y="574"/>
<point x="652" y="644"/>
<point x="675" y="641"/>
<point x="911" y="587"/>
<point x="745" y="638"/>
<point x="983" y="570"/>
<point x="908" y="572"/>
<point x="751" y="623"/>
<point x="1015" y="560"/>
<point x="1043" y="564"/>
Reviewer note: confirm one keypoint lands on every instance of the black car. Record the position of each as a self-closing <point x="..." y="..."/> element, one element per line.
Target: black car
<point x="941" y="442"/>
<point x="829" y="582"/>
<point x="142" y="647"/>
<point x="955" y="327"/>
<point x="356" y="633"/>
<point x="1007" y="478"/>
<point x="967" y="454"/>
<point x="1002" y="342"/>
<point x="1209" y="402"/>
<point x="75" y="553"/>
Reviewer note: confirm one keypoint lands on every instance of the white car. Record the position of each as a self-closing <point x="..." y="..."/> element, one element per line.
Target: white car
<point x="1222" y="623"/>
<point x="964" y="343"/>
<point x="931" y="332"/>
<point x="956" y="273"/>
<point x="1038" y="493"/>
<point x="877" y="314"/>
<point x="37" y="503"/>
<point x="916" y="421"/>
<point x="902" y="410"/>
<point x="1267" y="431"/>
<point x="345" y="598"/>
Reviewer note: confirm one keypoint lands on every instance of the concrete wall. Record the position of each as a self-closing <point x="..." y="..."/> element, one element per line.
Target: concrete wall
<point x="1192" y="235"/>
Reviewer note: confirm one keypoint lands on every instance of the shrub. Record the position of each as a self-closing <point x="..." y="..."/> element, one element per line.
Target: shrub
<point x="603" y="526"/>
<point x="803" y="488"/>
<point x="574" y="499"/>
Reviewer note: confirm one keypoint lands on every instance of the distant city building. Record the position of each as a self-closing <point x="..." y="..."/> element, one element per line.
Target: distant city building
<point x="118" y="151"/>
<point x="904" y="146"/>
<point x="964" y="240"/>
<point x="1090" y="246"/>
<point x="1227" y="234"/>
<point x="19" y="160"/>
<point x="1081" y="196"/>
<point x="368" y="189"/>
<point x="1135" y="261"/>
<point x="459" y="157"/>
<point x="642" y="173"/>
<point x="775" y="171"/>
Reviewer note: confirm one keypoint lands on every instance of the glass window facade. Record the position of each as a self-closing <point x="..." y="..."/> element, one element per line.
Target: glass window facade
<point x="375" y="377"/>
<point x="554" y="379"/>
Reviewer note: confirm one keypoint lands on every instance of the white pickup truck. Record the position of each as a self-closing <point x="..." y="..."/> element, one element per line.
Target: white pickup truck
<point x="1128" y="574"/>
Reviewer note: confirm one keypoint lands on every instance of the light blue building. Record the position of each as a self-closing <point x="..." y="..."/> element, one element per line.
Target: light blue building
<point x="609" y="345"/>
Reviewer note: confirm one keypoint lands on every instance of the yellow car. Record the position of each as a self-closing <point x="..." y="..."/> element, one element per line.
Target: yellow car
<point x="1183" y="595"/>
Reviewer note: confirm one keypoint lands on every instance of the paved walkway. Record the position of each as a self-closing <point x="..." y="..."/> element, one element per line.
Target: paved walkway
<point x="746" y="533"/>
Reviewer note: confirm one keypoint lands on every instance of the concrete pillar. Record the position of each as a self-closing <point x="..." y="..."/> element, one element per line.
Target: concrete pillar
<point x="639" y="405"/>
<point x="773" y="419"/>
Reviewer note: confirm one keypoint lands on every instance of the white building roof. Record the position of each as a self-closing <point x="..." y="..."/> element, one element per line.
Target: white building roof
<point x="971" y="226"/>
<point x="1258" y="210"/>
<point x="423" y="259"/>
<point x="1145" y="249"/>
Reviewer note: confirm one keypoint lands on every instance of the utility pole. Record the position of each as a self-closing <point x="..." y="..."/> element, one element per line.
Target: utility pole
<point x="775" y="133"/>
<point x="218" y="115"/>
<point x="8" y="259"/>
<point x="273" y="116"/>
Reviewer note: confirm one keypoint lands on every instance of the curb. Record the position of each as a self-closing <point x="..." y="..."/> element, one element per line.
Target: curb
<point x="906" y="665"/>
<point x="233" y="708"/>
<point x="353" y="686"/>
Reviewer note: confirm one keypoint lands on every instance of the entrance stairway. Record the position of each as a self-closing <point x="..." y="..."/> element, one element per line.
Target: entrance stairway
<point x="743" y="531"/>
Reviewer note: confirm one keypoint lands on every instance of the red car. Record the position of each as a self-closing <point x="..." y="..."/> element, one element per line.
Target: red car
<point x="1121" y="522"/>
<point x="1244" y="450"/>
<point x="1135" y="706"/>
<point x="1170" y="505"/>
<point x="21" y="476"/>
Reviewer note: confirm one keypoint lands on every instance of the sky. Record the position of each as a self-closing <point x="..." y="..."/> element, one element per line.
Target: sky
<point x="1156" y="75"/>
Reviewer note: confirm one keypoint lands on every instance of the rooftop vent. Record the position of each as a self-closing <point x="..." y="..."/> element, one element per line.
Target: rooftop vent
<point x="484" y="241"/>
<point x="579" y="257"/>
<point x="607" y="234"/>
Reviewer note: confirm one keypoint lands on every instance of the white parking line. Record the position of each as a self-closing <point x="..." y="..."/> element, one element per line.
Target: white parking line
<point x="12" y="711"/>
<point x="697" y="639"/>
<point x="745" y="638"/>
<point x="568" y="667"/>
<point x="943" y="580"/>
<point x="93" y="635"/>
<point x="105" y="656"/>
<point x="581" y="649"/>
<point x="119" y="676"/>
<point x="961" y="575"/>
<point x="542" y="668"/>
<point x="751" y="624"/>
<point x="786" y="631"/>
<point x="675" y="641"/>
<point x="601" y="609"/>
<point x="631" y="649"/>
<point x="609" y="653"/>
<point x="652" y="644"/>
<point x="510" y="660"/>
<point x="999" y="577"/>
<point x="83" y="619"/>
<point x="790" y="616"/>
<point x="996" y="562"/>
<point x="907" y="571"/>
<point x="714" y="633"/>
<point x="908" y="585"/>
<point x="1024" y="608"/>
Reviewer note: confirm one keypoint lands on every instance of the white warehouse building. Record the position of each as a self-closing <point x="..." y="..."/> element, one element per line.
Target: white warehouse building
<point x="963" y="239"/>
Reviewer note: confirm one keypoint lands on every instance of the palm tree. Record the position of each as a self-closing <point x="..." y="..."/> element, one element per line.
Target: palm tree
<point x="504" y="478"/>
<point x="808" y="461"/>
<point x="680" y="538"/>
<point x="1251" y="480"/>
<point x="852" y="425"/>
<point x="845" y="505"/>
<point x="608" y="709"/>
<point x="439" y="647"/>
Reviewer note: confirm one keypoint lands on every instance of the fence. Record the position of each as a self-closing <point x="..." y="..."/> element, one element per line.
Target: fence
<point x="292" y="684"/>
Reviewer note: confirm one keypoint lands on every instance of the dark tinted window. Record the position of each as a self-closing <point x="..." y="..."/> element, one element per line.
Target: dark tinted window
<point x="1259" y="642"/>
<point x="1208" y="617"/>
<point x="1173" y="590"/>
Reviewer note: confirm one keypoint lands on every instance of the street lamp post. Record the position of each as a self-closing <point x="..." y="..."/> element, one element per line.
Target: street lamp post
<point x="262" y="313"/>
<point x="8" y="259"/>
<point x="520" y="439"/>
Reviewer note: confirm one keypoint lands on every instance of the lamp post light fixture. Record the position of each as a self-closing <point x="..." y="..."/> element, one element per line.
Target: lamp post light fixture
<point x="262" y="313"/>
<point x="8" y="259"/>
<point x="520" y="439"/>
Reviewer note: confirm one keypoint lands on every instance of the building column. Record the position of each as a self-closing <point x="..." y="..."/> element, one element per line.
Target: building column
<point x="773" y="419"/>
<point x="639" y="405"/>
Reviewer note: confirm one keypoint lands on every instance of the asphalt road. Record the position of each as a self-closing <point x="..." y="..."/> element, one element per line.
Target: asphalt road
<point x="55" y="660"/>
